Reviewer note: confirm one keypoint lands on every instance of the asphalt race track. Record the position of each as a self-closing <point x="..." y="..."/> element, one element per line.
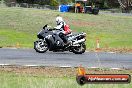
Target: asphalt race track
<point x="88" y="59"/>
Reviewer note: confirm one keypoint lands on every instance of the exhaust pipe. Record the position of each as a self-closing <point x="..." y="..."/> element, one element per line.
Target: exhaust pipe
<point x="79" y="41"/>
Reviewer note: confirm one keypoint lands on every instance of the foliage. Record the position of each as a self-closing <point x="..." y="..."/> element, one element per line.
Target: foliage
<point x="53" y="3"/>
<point x="65" y="1"/>
<point x="126" y="5"/>
<point x="100" y="3"/>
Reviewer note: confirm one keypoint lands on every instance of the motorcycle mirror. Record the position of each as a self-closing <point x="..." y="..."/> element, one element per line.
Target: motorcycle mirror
<point x="45" y="26"/>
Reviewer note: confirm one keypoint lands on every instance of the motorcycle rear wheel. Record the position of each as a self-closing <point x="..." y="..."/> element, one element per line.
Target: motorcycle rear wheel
<point x="80" y="50"/>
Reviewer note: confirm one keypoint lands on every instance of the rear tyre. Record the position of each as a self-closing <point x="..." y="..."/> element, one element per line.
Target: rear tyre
<point x="41" y="46"/>
<point x="80" y="49"/>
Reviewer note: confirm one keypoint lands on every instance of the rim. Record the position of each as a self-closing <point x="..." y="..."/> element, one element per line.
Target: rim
<point x="41" y="46"/>
<point x="80" y="48"/>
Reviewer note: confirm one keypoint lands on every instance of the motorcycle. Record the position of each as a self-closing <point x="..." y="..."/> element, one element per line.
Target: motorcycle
<point x="48" y="39"/>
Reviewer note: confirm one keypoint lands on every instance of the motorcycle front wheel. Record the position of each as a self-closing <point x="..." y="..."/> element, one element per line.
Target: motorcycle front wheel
<point x="79" y="49"/>
<point x="41" y="46"/>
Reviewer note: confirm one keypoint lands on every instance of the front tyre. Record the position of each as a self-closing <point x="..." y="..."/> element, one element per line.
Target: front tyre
<point x="41" y="46"/>
<point x="79" y="49"/>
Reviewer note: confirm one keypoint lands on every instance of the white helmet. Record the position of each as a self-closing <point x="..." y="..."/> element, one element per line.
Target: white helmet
<point x="59" y="20"/>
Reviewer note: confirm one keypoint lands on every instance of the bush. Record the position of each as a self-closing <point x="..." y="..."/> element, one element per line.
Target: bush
<point x="54" y="3"/>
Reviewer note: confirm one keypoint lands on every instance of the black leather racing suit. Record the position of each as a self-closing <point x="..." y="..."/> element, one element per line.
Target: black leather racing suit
<point x="62" y="35"/>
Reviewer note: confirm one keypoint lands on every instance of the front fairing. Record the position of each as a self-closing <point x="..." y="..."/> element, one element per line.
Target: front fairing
<point x="45" y="32"/>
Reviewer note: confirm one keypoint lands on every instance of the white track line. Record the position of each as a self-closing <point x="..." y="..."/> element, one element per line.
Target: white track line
<point x="115" y="68"/>
<point x="111" y="52"/>
<point x="4" y="64"/>
<point x="65" y="66"/>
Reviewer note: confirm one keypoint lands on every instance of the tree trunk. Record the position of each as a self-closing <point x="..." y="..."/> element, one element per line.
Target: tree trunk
<point x="126" y="5"/>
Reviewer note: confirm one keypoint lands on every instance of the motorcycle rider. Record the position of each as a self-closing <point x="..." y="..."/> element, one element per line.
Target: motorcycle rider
<point x="64" y="29"/>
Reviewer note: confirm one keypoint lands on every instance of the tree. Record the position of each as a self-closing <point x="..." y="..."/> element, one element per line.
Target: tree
<point x="65" y="1"/>
<point x="113" y="3"/>
<point x="53" y="3"/>
<point x="126" y="5"/>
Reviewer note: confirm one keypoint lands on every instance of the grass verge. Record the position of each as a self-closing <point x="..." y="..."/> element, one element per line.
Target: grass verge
<point x="52" y="77"/>
<point x="20" y="25"/>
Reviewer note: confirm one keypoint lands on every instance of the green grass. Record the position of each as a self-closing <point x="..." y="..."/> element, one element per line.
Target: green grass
<point x="14" y="80"/>
<point x="20" y="25"/>
<point x="11" y="38"/>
